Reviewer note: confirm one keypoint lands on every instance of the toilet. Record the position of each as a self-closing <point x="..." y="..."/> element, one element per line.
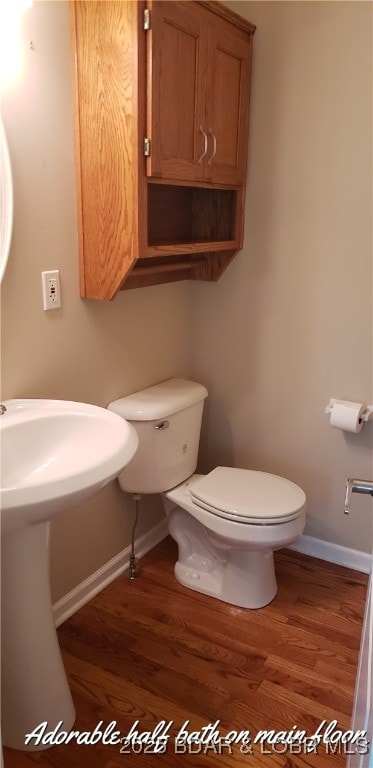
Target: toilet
<point x="226" y="523"/>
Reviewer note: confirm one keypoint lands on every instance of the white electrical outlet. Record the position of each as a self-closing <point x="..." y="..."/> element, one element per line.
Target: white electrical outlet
<point x="51" y="289"/>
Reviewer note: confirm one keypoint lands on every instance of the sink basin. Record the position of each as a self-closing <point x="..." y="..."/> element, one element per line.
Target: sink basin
<point x="54" y="454"/>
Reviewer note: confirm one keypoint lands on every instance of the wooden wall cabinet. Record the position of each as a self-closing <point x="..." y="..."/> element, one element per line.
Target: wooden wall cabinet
<point x="161" y="140"/>
<point x="198" y="90"/>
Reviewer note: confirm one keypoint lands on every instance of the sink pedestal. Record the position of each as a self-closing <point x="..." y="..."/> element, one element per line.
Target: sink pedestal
<point x="54" y="455"/>
<point x="34" y="684"/>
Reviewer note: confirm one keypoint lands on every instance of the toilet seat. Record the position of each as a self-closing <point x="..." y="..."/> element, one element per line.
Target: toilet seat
<point x="248" y="496"/>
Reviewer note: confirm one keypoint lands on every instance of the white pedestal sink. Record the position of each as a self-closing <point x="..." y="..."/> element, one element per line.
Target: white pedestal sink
<point x="54" y="454"/>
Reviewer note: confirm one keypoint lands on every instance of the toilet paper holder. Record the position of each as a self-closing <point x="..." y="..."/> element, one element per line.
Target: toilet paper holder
<point x="367" y="414"/>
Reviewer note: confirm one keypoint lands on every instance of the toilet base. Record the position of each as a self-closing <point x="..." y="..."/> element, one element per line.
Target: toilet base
<point x="238" y="576"/>
<point x="216" y="584"/>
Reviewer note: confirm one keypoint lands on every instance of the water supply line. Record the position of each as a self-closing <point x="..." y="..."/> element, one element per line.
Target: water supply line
<point x="133" y="559"/>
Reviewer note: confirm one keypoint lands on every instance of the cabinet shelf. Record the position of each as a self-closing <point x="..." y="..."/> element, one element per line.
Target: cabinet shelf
<point x="200" y="266"/>
<point x="188" y="246"/>
<point x="191" y="219"/>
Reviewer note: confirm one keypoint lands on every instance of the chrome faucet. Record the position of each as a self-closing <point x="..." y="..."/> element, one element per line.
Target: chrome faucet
<point x="2" y="409"/>
<point x="356" y="486"/>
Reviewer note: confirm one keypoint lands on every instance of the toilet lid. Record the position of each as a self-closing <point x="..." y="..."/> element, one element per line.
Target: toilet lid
<point x="248" y="496"/>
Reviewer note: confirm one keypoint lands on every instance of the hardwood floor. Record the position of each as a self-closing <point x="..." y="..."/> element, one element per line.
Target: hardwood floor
<point x="151" y="650"/>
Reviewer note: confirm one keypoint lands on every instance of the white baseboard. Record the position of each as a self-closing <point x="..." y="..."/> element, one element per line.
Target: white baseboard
<point x="84" y="592"/>
<point x="334" y="553"/>
<point x="70" y="603"/>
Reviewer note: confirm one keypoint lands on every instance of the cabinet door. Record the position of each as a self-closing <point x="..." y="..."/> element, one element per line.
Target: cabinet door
<point x="176" y="63"/>
<point x="230" y="52"/>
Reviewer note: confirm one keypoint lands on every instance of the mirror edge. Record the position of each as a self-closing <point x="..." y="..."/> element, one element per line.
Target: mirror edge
<point x="6" y="201"/>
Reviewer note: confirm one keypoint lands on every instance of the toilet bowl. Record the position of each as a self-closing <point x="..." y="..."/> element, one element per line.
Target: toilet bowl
<point x="226" y="523"/>
<point x="226" y="555"/>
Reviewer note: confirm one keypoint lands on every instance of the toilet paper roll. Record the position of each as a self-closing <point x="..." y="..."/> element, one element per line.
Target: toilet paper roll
<point x="347" y="415"/>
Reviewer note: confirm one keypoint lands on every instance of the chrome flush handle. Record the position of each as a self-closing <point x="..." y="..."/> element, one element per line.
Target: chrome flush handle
<point x="162" y="425"/>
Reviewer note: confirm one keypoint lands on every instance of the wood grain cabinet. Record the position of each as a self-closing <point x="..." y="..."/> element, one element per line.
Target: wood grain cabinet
<point x="198" y="97"/>
<point x="162" y="116"/>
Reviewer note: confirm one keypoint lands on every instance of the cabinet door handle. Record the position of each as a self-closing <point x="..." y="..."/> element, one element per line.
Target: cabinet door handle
<point x="209" y="162"/>
<point x="206" y="142"/>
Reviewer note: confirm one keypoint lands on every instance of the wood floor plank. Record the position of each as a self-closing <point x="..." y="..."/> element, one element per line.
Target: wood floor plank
<point x="151" y="650"/>
<point x="303" y="681"/>
<point x="326" y="623"/>
<point x="342" y="676"/>
<point x="276" y="691"/>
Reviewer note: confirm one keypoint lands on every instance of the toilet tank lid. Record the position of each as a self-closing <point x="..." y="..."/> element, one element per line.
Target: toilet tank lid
<point x="159" y="401"/>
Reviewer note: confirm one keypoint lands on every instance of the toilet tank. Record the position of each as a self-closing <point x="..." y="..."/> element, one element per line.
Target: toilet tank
<point x="167" y="419"/>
